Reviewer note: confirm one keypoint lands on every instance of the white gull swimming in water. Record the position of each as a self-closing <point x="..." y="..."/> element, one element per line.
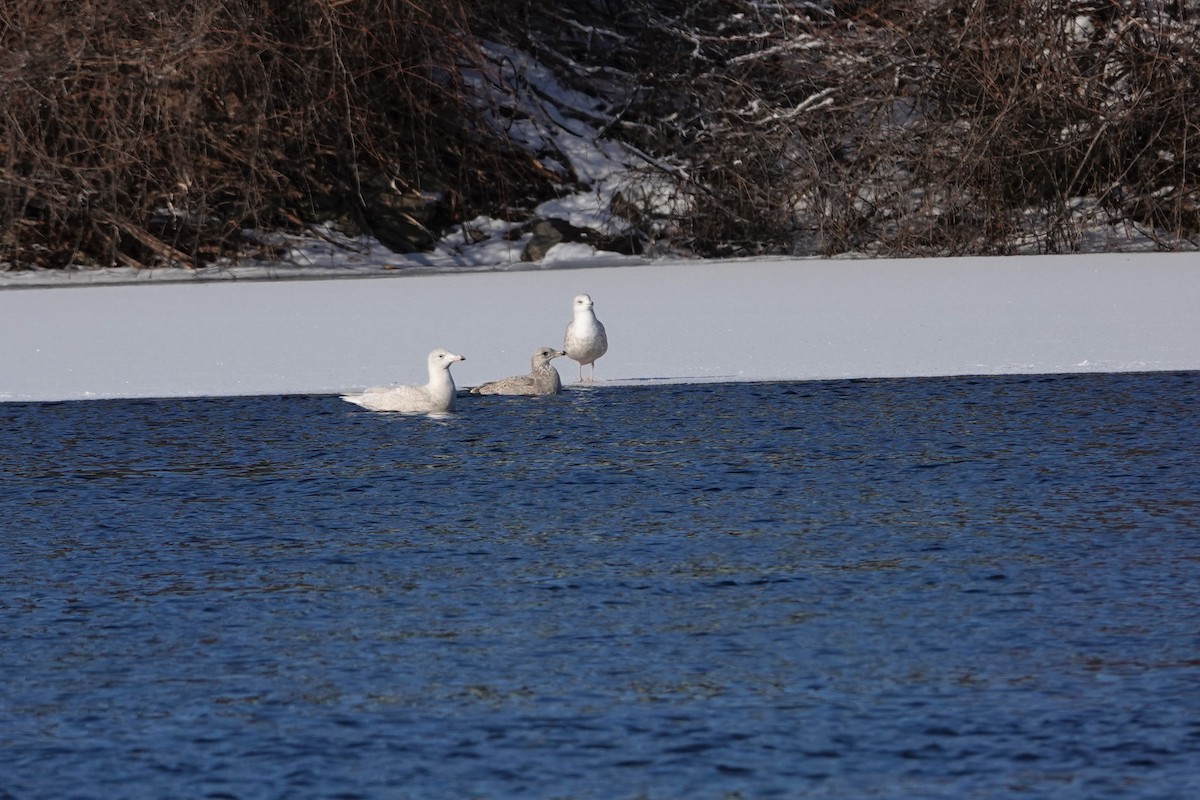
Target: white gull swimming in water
<point x="435" y="397"/>
<point x="586" y="339"/>
<point x="542" y="378"/>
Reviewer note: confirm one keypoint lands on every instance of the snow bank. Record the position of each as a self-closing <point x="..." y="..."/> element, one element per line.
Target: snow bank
<point x="668" y="322"/>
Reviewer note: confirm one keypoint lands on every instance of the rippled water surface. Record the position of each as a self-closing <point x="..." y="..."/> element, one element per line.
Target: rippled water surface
<point x="950" y="588"/>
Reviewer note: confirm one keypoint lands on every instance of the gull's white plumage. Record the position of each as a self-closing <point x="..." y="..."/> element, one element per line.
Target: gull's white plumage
<point x="586" y="339"/>
<point x="435" y="397"/>
<point x="542" y="378"/>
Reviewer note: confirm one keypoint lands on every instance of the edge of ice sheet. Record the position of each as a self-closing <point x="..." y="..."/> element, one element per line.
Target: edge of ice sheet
<point x="668" y="322"/>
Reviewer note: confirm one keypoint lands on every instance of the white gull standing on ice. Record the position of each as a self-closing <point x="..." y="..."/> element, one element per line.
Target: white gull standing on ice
<point x="542" y="378"/>
<point x="586" y="340"/>
<point x="435" y="397"/>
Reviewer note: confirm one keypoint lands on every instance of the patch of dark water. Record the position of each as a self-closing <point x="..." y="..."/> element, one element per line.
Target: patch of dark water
<point x="970" y="587"/>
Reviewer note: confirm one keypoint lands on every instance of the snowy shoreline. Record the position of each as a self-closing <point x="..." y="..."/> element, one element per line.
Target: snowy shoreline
<point x="668" y="321"/>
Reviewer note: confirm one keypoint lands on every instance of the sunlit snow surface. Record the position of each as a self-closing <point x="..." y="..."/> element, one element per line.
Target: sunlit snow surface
<point x="678" y="321"/>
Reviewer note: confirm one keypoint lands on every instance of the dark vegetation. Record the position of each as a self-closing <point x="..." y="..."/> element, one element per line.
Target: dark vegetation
<point x="141" y="133"/>
<point x="137" y="132"/>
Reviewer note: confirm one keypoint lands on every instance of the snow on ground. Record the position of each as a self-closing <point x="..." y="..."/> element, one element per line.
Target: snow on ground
<point x="668" y="321"/>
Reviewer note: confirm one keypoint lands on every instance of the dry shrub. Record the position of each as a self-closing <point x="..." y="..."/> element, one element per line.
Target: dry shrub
<point x="137" y="132"/>
<point x="1035" y="118"/>
<point x="903" y="128"/>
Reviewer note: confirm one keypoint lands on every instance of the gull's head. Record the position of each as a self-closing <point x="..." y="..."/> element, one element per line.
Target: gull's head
<point x="582" y="302"/>
<point x="544" y="355"/>
<point x="443" y="358"/>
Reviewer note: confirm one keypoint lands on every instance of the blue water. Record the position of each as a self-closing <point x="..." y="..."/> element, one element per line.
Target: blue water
<point x="938" y="588"/>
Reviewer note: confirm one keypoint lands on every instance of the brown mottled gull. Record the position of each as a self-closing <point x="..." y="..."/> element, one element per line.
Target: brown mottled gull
<point x="542" y="378"/>
<point x="435" y="397"/>
<point x="586" y="339"/>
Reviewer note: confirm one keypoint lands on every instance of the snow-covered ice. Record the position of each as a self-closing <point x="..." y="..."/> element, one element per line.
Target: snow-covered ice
<point x="667" y="321"/>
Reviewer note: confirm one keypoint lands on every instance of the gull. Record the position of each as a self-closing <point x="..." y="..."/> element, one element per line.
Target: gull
<point x="586" y="340"/>
<point x="542" y="378"/>
<point x="435" y="397"/>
